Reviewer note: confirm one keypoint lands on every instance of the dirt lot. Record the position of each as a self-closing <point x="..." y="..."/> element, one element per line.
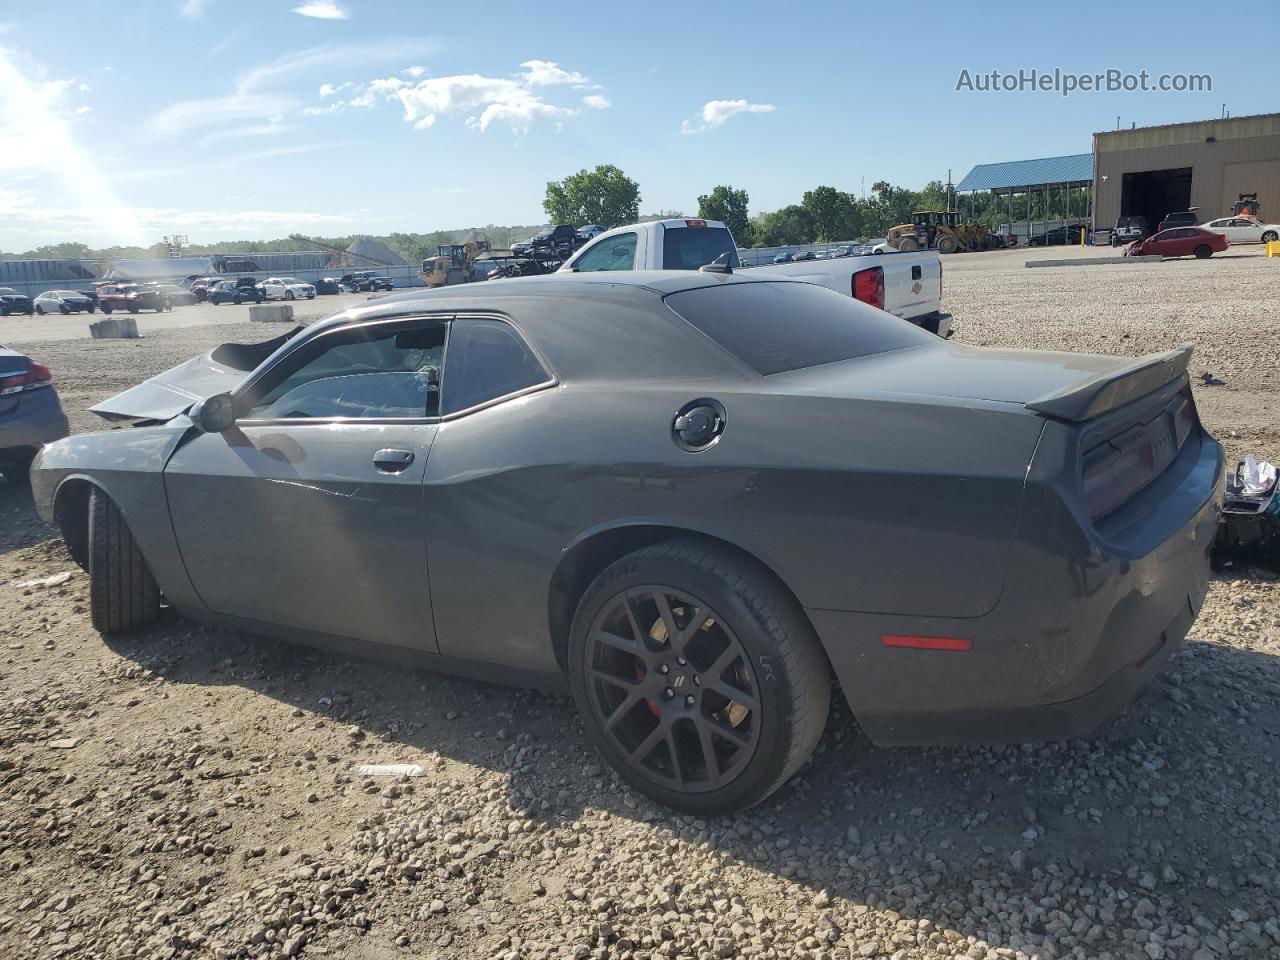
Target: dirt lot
<point x="191" y="793"/>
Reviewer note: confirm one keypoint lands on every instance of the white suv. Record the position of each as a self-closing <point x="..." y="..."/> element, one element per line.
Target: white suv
<point x="286" y="288"/>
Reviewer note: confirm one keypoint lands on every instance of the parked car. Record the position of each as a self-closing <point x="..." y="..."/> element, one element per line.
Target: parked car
<point x="328" y="285"/>
<point x="227" y="291"/>
<point x="132" y="297"/>
<point x="1245" y="230"/>
<point x="783" y="258"/>
<point x="1179" y="242"/>
<point x="1182" y="218"/>
<point x="1050" y="574"/>
<point x="365" y="281"/>
<point x="1127" y="230"/>
<point x="558" y="241"/>
<point x="175" y="295"/>
<point x="803" y="255"/>
<point x="30" y="413"/>
<point x="1058" y="236"/>
<point x="11" y="301"/>
<point x="590" y="232"/>
<point x="523" y="248"/>
<point x="64" y="301"/>
<point x="286" y="288"/>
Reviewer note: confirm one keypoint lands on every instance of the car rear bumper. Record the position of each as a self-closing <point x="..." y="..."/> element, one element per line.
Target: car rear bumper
<point x="1078" y="633"/>
<point x="37" y="420"/>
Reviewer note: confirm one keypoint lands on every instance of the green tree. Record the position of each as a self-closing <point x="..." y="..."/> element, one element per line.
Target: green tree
<point x="793" y="224"/>
<point x="730" y="207"/>
<point x="604" y="195"/>
<point x="835" y="213"/>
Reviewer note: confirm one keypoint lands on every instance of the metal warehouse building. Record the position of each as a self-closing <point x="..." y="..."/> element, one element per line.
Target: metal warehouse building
<point x="1152" y="171"/>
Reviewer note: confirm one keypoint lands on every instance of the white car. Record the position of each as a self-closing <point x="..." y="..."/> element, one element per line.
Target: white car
<point x="64" y="301"/>
<point x="286" y="288"/>
<point x="1244" y="229"/>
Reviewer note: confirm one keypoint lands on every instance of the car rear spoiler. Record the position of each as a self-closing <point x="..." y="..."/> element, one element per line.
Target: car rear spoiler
<point x="1115" y="388"/>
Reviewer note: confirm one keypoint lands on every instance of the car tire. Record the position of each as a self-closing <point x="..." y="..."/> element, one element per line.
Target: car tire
<point x="123" y="595"/>
<point x="63" y="309"/>
<point x="16" y="468"/>
<point x="1269" y="237"/>
<point x="1203" y="252"/>
<point x="288" y="294"/>
<point x="92" y="309"/>
<point x="645" y="704"/>
<point x="39" y="310"/>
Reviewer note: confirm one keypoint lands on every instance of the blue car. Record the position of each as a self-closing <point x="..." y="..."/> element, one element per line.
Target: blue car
<point x="30" y="413"/>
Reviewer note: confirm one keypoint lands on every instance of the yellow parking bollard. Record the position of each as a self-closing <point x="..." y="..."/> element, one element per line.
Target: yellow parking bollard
<point x="1273" y="248"/>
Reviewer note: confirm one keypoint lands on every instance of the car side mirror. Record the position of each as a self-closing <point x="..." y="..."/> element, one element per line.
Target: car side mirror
<point x="215" y="414"/>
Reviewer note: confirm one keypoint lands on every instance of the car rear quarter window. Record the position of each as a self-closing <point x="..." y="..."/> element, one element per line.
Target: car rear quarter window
<point x="776" y="327"/>
<point x="611" y="253"/>
<point x="487" y="360"/>
<point x="688" y="248"/>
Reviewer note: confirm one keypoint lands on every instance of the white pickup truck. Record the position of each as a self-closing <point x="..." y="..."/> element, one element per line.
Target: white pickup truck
<point x="908" y="285"/>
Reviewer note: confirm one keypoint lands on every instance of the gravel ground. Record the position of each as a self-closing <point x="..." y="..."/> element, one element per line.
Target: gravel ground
<point x="193" y="792"/>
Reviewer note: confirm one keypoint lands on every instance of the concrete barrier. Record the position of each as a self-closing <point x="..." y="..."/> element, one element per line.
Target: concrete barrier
<point x="1090" y="261"/>
<point x="271" y="313"/>
<point x="125" y="328"/>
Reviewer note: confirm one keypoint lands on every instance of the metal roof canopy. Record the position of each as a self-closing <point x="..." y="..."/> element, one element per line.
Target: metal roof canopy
<point x="1073" y="170"/>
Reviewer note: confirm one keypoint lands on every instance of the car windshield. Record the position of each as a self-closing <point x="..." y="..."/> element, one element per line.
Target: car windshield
<point x="290" y="280"/>
<point x="775" y="327"/>
<point x="688" y="248"/>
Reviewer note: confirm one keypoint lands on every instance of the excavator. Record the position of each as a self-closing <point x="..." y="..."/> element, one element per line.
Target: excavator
<point x="943" y="231"/>
<point x="454" y="263"/>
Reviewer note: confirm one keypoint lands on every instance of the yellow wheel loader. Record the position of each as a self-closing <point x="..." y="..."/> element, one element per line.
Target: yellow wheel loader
<point x="454" y="263"/>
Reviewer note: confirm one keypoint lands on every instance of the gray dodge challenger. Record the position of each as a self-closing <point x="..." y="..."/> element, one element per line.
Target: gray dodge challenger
<point x="696" y="500"/>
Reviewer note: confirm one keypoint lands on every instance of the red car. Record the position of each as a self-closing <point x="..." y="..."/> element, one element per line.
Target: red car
<point x="1179" y="242"/>
<point x="131" y="297"/>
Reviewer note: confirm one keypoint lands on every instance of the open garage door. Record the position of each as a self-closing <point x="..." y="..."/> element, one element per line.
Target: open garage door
<point x="1154" y="193"/>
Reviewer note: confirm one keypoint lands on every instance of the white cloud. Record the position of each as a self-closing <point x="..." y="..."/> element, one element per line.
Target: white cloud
<point x="482" y="101"/>
<point x="187" y="115"/>
<point x="195" y="8"/>
<point x="544" y="73"/>
<point x="239" y="133"/>
<point x="716" y="112"/>
<point x="84" y="88"/>
<point x="80" y="111"/>
<point x="414" y="72"/>
<point x="321" y="10"/>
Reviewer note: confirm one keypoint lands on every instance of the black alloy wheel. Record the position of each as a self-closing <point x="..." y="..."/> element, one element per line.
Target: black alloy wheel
<point x="673" y="688"/>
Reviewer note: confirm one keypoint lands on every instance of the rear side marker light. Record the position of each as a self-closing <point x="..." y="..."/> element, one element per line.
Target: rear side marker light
<point x="926" y="643"/>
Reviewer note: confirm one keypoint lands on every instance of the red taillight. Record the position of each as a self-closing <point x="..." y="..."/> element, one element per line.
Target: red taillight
<point x="926" y="643"/>
<point x="1115" y="472"/>
<point x="36" y="375"/>
<point x="868" y="286"/>
<point x="695" y="223"/>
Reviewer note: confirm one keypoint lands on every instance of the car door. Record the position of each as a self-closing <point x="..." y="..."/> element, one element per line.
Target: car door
<point x="1244" y="230"/>
<point x="308" y="513"/>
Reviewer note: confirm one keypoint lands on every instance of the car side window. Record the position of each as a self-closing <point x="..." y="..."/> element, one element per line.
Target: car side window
<point x="612" y="253"/>
<point x="487" y="360"/>
<point x="369" y="372"/>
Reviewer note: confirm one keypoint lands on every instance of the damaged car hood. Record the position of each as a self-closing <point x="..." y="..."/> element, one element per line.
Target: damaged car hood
<point x="168" y="394"/>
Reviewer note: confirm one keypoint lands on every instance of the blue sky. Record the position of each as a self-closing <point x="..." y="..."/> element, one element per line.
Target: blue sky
<point x="240" y="119"/>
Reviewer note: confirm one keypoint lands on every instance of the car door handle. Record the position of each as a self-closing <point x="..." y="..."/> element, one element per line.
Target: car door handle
<point x="392" y="461"/>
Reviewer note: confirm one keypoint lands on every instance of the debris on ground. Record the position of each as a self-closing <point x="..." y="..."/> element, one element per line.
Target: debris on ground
<point x="1249" y="529"/>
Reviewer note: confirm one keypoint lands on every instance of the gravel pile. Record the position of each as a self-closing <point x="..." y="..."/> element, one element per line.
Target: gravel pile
<point x="193" y="793"/>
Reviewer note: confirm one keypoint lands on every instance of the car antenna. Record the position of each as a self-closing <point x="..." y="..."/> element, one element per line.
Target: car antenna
<point x="719" y="265"/>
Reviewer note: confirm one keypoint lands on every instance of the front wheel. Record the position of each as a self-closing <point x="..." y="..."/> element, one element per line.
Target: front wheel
<point x="1203" y="252"/>
<point x="123" y="595"/>
<point x="106" y="309"/>
<point x="288" y="294"/>
<point x="39" y="309"/>
<point x="93" y="309"/>
<point x="698" y="676"/>
<point x="1269" y="237"/>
